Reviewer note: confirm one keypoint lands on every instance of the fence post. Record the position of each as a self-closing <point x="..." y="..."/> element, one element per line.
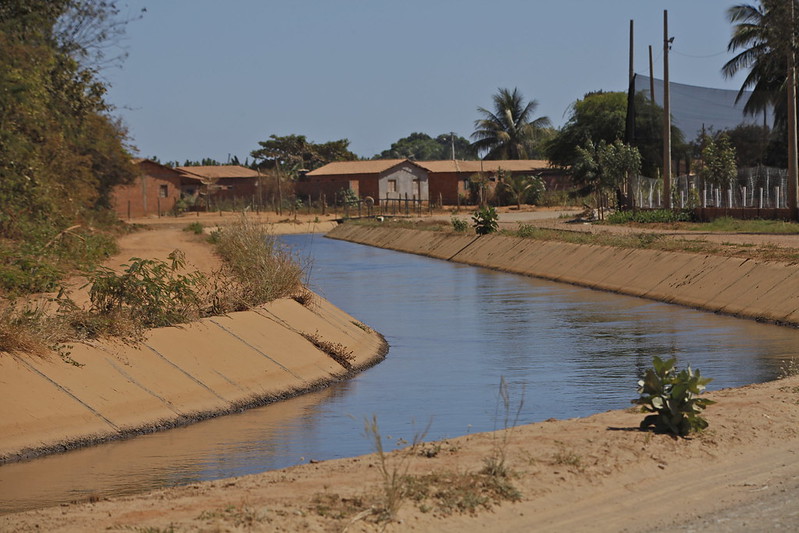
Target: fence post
<point x="324" y="204"/>
<point x="128" y="209"/>
<point x="158" y="206"/>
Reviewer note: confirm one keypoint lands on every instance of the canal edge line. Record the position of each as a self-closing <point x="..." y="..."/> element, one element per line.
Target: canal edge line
<point x="176" y="376"/>
<point x="766" y="291"/>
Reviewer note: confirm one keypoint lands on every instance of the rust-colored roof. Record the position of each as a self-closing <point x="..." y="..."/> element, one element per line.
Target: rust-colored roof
<point x="471" y="167"/>
<point x="376" y="166"/>
<point x="342" y="168"/>
<point x="219" y="171"/>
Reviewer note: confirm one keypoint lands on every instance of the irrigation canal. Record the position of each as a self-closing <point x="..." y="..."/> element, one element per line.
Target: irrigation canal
<point x="455" y="331"/>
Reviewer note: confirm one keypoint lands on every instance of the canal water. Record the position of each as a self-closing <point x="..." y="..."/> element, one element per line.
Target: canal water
<point x="455" y="332"/>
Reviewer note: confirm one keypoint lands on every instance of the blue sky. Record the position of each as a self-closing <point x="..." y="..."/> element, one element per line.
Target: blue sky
<point x="206" y="78"/>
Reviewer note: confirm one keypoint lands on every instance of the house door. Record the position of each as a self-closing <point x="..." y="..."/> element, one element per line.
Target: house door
<point x="354" y="187"/>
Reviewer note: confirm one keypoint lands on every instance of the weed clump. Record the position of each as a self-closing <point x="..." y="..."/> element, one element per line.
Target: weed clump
<point x="256" y="268"/>
<point x="672" y="397"/>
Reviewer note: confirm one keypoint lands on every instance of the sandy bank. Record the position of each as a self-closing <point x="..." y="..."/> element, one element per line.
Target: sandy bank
<point x="176" y="376"/>
<point x="760" y="290"/>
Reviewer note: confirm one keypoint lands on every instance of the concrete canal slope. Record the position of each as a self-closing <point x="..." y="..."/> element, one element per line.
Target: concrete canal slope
<point x="176" y="376"/>
<point x="760" y="290"/>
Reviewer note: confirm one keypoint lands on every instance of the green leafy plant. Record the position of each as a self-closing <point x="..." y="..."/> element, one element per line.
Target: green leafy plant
<point x="195" y="227"/>
<point x="485" y="220"/>
<point x="150" y="290"/>
<point x="672" y="396"/>
<point x="459" y="225"/>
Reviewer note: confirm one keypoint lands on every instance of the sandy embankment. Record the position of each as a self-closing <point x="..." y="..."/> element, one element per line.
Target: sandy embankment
<point x="176" y="375"/>
<point x="747" y="288"/>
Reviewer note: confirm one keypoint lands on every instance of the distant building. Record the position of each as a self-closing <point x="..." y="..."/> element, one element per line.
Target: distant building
<point x="422" y="180"/>
<point x="219" y="182"/>
<point x="155" y="190"/>
<point x="158" y="188"/>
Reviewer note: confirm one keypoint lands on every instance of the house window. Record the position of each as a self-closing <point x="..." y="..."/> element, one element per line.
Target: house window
<point x="392" y="185"/>
<point x="163" y="191"/>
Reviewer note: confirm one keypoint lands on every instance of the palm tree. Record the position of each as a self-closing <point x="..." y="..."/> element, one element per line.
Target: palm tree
<point x="762" y="34"/>
<point x="509" y="131"/>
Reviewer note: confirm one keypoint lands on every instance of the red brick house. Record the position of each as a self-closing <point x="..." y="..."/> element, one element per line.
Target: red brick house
<point x="154" y="191"/>
<point x="425" y="180"/>
<point x="220" y="182"/>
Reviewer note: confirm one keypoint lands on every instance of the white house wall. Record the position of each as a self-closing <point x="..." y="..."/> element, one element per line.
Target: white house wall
<point x="405" y="175"/>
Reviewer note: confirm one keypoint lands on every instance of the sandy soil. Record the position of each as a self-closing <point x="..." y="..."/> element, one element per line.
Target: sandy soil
<point x="592" y="474"/>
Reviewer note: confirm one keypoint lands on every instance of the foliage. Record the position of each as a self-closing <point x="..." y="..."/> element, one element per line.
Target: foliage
<point x="294" y="152"/>
<point x="650" y="216"/>
<point x="718" y="161"/>
<point x="485" y="220"/>
<point x="509" y="131"/>
<point x="459" y="225"/>
<point x="256" y="269"/>
<point x="598" y="116"/>
<point x="605" y="166"/>
<point x="394" y="473"/>
<point x="672" y="396"/>
<point x="522" y="189"/>
<point x="346" y="196"/>
<point x="763" y="34"/>
<point x="422" y="147"/>
<point x="61" y="152"/>
<point x="149" y="289"/>
<point x="601" y="117"/>
<point x="195" y="227"/>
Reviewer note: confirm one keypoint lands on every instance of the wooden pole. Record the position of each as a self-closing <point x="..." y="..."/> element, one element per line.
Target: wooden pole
<point x="651" y="77"/>
<point x="793" y="172"/>
<point x="666" y="114"/>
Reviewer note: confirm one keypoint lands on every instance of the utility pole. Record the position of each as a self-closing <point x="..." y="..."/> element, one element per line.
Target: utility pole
<point x="666" y="113"/>
<point x="632" y="50"/>
<point x="651" y="77"/>
<point x="452" y="141"/>
<point x="793" y="175"/>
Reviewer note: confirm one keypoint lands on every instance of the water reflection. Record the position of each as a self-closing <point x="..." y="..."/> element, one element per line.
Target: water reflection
<point x="454" y="331"/>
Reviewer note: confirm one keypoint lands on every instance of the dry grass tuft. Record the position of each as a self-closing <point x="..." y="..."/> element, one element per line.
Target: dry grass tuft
<point x="257" y="268"/>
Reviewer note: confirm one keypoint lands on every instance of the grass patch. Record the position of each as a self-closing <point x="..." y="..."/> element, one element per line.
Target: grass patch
<point x="148" y="293"/>
<point x="732" y="225"/>
<point x="447" y="493"/>
<point x="256" y="268"/>
<point x="195" y="227"/>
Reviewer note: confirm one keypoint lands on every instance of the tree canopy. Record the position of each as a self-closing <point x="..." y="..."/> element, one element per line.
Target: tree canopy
<point x="294" y="152"/>
<point x="509" y="131"/>
<point x="422" y="147"/>
<point x="601" y="116"/>
<point x="61" y="152"/>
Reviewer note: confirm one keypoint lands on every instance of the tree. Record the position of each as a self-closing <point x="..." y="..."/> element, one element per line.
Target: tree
<point x="763" y="34"/>
<point x="522" y="188"/>
<point x="601" y="116"/>
<point x="598" y="116"/>
<point x="604" y="167"/>
<point x="509" y="131"/>
<point x="294" y="152"/>
<point x="421" y="147"/>
<point x="718" y="161"/>
<point x="60" y="150"/>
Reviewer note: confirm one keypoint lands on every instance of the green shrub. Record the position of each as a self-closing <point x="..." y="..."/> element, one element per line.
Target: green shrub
<point x="526" y="231"/>
<point x="194" y="227"/>
<point x="151" y="291"/>
<point x="672" y="396"/>
<point x="459" y="225"/>
<point x="485" y="220"/>
<point x="651" y="216"/>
